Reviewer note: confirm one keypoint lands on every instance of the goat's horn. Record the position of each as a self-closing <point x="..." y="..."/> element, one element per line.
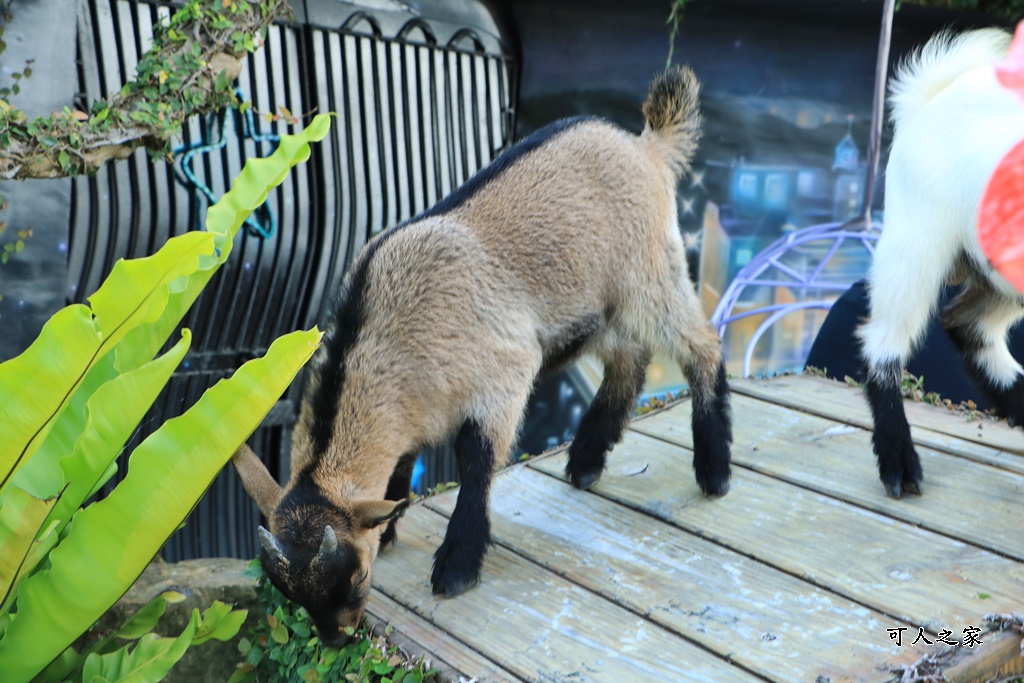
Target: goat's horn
<point x="330" y="542"/>
<point x="270" y="543"/>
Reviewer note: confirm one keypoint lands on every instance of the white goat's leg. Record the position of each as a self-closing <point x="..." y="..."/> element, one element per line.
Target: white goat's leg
<point x="978" y="322"/>
<point x="906" y="277"/>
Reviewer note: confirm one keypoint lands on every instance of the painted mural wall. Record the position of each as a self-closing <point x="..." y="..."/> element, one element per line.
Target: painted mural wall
<point x="787" y="91"/>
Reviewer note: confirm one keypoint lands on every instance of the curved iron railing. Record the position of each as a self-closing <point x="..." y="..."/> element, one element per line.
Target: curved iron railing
<point x="767" y="269"/>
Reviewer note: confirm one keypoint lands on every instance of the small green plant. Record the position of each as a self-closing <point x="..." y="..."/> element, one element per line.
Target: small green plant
<point x="283" y="648"/>
<point x="441" y="487"/>
<point x="912" y="386"/>
<point x="68" y="405"/>
<point x="195" y="55"/>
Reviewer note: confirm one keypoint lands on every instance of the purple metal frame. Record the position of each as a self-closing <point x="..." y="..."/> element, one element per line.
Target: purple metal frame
<point x="838" y="232"/>
<point x="750" y="276"/>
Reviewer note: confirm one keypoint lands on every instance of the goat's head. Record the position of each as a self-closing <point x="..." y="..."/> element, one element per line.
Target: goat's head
<point x="319" y="552"/>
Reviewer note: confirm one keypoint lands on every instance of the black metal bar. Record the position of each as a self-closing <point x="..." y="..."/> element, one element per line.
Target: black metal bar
<point x="397" y="99"/>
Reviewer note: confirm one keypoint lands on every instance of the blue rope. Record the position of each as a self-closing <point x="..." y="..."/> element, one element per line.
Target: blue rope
<point x="262" y="222"/>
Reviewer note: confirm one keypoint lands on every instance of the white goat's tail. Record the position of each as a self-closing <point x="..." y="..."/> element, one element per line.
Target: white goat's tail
<point x="673" y="116"/>
<point x="928" y="71"/>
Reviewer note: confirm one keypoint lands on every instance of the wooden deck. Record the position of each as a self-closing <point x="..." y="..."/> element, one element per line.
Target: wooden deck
<point x="796" y="575"/>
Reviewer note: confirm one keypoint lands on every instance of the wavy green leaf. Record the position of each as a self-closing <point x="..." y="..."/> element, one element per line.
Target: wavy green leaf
<point x="248" y="192"/>
<point x="101" y="430"/>
<point x="55" y="398"/>
<point x="143" y="299"/>
<point x="34" y="384"/>
<point x="114" y="539"/>
<point x="23" y="518"/>
<point x="107" y="431"/>
<point x="148" y="616"/>
<point x="41" y="475"/>
<point x="45" y="540"/>
<point x="37" y="384"/>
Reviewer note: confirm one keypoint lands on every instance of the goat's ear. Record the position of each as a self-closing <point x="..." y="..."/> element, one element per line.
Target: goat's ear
<point x="257" y="481"/>
<point x="369" y="514"/>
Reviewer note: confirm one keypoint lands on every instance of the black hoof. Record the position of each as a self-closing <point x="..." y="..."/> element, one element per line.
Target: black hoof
<point x="893" y="488"/>
<point x="896" y="487"/>
<point x="455" y="571"/>
<point x="713" y="475"/>
<point x="913" y="486"/>
<point x="583" y="479"/>
<point x="715" y="489"/>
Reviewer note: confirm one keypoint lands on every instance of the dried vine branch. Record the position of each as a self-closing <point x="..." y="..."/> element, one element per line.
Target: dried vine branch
<point x="195" y="56"/>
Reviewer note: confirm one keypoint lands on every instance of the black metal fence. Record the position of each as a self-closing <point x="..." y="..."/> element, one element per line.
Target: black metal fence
<point x="422" y="102"/>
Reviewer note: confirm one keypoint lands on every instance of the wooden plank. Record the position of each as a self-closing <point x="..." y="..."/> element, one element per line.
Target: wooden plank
<point x="769" y="622"/>
<point x="997" y="659"/>
<point x="536" y="624"/>
<point x="898" y="569"/>
<point x="985" y="440"/>
<point x="419" y="638"/>
<point x="837" y="460"/>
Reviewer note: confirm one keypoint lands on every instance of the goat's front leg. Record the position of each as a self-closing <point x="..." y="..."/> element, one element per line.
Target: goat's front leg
<point x="458" y="560"/>
<point x="898" y="464"/>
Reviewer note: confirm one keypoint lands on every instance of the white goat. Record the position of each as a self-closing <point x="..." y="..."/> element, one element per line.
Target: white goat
<point x="953" y="123"/>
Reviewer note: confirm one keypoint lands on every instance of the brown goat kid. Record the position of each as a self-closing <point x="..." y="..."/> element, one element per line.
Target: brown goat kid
<point x="567" y="244"/>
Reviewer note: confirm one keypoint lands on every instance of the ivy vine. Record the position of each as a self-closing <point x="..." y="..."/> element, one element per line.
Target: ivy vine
<point x="196" y="54"/>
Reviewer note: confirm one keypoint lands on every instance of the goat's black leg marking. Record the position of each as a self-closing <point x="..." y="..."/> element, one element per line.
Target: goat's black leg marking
<point x="458" y="560"/>
<point x="1008" y="401"/>
<point x="898" y="464"/>
<point x="399" y="486"/>
<point x="711" y="422"/>
<point x="606" y="419"/>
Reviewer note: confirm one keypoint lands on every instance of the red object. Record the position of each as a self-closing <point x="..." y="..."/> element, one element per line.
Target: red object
<point x="1001" y="217"/>
<point x="1010" y="71"/>
<point x="1001" y="214"/>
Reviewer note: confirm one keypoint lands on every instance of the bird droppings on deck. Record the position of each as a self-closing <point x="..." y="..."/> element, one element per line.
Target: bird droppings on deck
<point x="841" y="430"/>
<point x="901" y="574"/>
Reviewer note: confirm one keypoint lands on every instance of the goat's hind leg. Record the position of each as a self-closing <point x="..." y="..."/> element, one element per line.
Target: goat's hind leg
<point x="978" y="321"/>
<point x="608" y="415"/>
<point x="711" y="418"/>
<point x="696" y="347"/>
